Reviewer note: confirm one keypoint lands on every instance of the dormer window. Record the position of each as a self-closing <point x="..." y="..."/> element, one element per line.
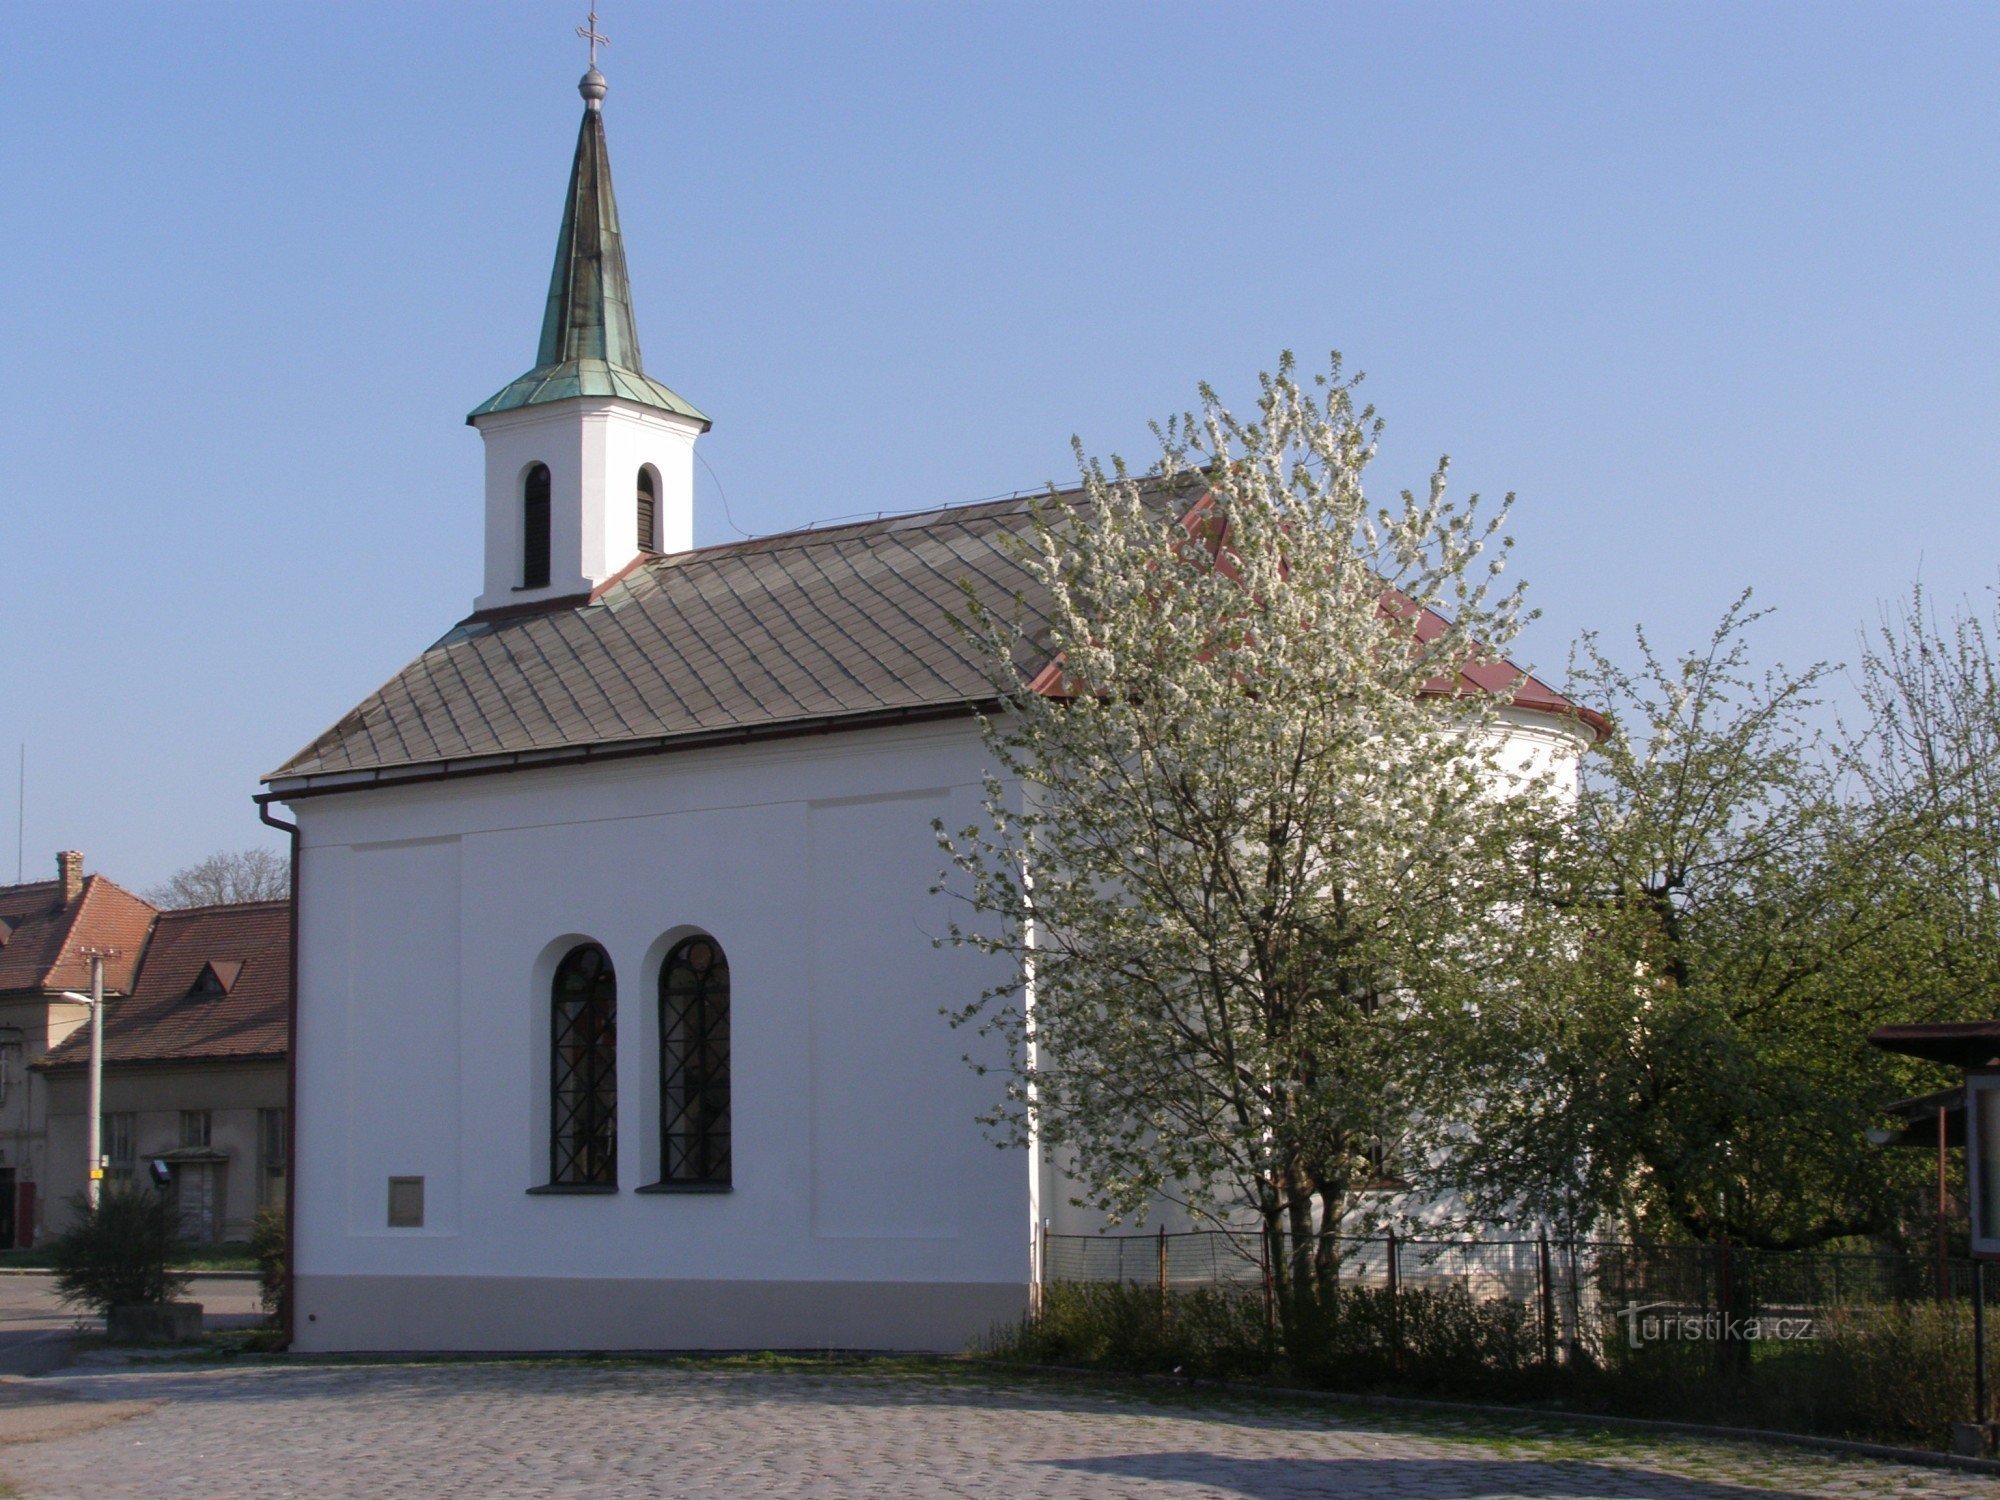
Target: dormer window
<point x="649" y="510"/>
<point x="216" y="979"/>
<point x="535" y="528"/>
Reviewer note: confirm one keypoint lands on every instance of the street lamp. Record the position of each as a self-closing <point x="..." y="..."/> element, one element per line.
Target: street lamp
<point x="93" y="1146"/>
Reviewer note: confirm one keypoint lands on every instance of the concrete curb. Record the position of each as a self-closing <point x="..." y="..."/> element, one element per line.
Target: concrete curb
<point x="1920" y="1457"/>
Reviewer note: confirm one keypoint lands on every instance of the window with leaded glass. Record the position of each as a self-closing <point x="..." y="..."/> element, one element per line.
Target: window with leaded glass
<point x="583" y="1079"/>
<point x="694" y="1065"/>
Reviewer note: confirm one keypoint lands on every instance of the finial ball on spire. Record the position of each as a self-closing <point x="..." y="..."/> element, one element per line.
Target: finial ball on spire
<point x="593" y="88"/>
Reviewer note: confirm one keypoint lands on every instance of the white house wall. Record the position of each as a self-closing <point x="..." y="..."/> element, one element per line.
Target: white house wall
<point x="869" y="1208"/>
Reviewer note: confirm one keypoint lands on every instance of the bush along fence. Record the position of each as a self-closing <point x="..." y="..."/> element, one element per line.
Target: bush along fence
<point x="1878" y="1347"/>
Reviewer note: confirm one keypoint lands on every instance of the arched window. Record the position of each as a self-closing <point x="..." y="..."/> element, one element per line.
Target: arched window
<point x="694" y="1065"/>
<point x="649" y="510"/>
<point x="535" y="528"/>
<point x="583" y="1071"/>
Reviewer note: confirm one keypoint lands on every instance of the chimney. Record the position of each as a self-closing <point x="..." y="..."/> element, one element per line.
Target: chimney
<point x="69" y="870"/>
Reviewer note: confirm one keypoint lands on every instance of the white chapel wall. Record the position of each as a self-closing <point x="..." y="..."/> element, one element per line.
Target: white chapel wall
<point x="423" y="1017"/>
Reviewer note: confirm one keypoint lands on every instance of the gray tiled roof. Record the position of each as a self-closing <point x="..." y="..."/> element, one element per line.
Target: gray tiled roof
<point x="840" y="625"/>
<point x="841" y="622"/>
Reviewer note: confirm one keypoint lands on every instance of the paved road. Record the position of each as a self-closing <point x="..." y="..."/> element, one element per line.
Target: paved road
<point x="29" y="1302"/>
<point x="33" y="1320"/>
<point x="617" y="1430"/>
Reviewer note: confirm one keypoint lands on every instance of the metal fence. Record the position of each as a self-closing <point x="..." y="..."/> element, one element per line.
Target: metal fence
<point x="1582" y="1293"/>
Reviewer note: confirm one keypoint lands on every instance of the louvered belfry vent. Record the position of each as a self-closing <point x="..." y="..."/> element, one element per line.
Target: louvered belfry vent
<point x="649" y="508"/>
<point x="535" y="528"/>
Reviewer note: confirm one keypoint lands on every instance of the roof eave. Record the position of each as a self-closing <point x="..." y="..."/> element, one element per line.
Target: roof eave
<point x="319" y="784"/>
<point x="573" y="380"/>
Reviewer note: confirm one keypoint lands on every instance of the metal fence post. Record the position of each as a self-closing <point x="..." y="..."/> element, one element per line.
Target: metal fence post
<point x="1041" y="1267"/>
<point x="1724" y="1300"/>
<point x="1163" y="1278"/>
<point x="1395" y="1310"/>
<point x="1270" y="1296"/>
<point x="1979" y="1408"/>
<point x="1548" y="1305"/>
<point x="1943" y="1268"/>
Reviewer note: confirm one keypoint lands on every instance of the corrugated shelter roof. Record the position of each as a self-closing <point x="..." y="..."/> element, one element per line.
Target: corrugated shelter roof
<point x="1963" y="1044"/>
<point x="839" y="626"/>
<point x="41" y="938"/>
<point x="165" y="1020"/>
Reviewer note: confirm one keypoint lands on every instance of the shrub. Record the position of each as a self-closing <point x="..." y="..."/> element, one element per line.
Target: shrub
<point x="1212" y="1332"/>
<point x="1440" y="1339"/>
<point x="120" y="1252"/>
<point x="1448" y="1341"/>
<point x="267" y="1243"/>
<point x="1900" y="1373"/>
<point x="1890" y="1372"/>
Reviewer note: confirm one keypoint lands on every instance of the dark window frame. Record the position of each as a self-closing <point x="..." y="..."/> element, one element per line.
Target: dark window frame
<point x="649" y="509"/>
<point x="583" y="1072"/>
<point x="694" y="1071"/>
<point x="535" y="527"/>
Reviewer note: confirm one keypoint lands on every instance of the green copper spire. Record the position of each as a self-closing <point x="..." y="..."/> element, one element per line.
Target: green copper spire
<point x="590" y="343"/>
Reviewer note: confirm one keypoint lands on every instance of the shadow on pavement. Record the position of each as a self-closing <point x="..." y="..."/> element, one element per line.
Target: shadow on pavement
<point x="1431" y="1478"/>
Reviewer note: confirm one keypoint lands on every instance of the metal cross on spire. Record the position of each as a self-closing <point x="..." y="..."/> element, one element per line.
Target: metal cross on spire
<point x="588" y="31"/>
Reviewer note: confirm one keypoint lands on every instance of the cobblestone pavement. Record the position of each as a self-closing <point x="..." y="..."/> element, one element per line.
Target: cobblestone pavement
<point x="586" y="1429"/>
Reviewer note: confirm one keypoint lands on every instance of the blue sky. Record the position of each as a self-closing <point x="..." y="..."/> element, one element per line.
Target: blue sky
<point x="1712" y="288"/>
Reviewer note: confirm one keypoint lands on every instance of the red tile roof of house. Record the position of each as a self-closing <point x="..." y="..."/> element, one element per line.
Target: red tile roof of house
<point x="42" y="939"/>
<point x="162" y="1020"/>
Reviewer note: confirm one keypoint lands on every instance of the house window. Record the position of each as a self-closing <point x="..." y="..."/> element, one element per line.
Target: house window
<point x="535" y="528"/>
<point x="649" y="510"/>
<point x="694" y="1064"/>
<point x="270" y="1156"/>
<point x="10" y="1069"/>
<point x="114" y="1135"/>
<point x="583" y="1078"/>
<point x="194" y="1127"/>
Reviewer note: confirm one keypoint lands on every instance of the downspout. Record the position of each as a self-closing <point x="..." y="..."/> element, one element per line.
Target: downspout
<point x="289" y="1301"/>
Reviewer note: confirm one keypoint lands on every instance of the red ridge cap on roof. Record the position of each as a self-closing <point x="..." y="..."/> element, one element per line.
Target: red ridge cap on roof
<point x="1532" y="694"/>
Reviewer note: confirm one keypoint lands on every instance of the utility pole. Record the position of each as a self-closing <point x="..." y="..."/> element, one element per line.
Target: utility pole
<point x="94" y="1124"/>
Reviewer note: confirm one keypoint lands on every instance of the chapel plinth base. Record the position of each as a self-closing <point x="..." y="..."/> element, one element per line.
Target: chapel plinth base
<point x="495" y="1314"/>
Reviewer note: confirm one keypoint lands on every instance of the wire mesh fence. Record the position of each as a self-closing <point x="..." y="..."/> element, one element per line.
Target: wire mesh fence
<point x="1888" y="1347"/>
<point x="1583" y="1293"/>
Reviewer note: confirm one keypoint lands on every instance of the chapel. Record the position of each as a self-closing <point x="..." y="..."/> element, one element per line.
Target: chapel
<point x="619" y="1016"/>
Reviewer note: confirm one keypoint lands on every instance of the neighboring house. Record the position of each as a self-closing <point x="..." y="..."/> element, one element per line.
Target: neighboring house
<point x="194" y="1069"/>
<point x="48" y="928"/>
<point x="619" y="1007"/>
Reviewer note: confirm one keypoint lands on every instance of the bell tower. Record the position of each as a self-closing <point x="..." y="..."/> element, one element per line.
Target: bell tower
<point x="589" y="462"/>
